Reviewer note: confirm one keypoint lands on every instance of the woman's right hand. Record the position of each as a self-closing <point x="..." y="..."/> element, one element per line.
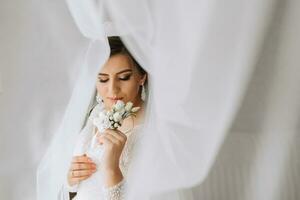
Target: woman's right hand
<point x="82" y="167"/>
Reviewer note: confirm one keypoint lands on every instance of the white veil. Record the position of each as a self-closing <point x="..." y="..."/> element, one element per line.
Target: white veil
<point x="199" y="57"/>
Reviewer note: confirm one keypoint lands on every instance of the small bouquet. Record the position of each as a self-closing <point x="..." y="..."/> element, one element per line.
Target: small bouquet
<point x="113" y="119"/>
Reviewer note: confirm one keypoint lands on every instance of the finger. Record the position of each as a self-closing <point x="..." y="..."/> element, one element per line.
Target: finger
<point x="117" y="135"/>
<point x="121" y="133"/>
<point x="104" y="140"/>
<point x="112" y="138"/>
<point x="117" y="131"/>
<point x="83" y="166"/>
<point x="76" y="174"/>
<point x="82" y="159"/>
<point x="81" y="173"/>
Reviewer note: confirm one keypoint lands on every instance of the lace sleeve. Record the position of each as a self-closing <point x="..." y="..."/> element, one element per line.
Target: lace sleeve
<point x="115" y="192"/>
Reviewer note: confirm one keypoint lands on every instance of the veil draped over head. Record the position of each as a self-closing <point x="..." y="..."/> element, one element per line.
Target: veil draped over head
<point x="201" y="58"/>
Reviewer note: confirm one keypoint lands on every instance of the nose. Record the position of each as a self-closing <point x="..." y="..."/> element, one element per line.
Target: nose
<point x="113" y="88"/>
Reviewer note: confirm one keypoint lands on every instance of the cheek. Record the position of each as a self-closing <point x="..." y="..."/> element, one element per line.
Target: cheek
<point x="130" y="91"/>
<point x="101" y="89"/>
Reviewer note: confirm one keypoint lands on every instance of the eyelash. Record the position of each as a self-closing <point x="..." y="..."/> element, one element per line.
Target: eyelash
<point x="126" y="78"/>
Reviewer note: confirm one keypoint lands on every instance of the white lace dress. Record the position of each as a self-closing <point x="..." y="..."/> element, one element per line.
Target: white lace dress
<point x="93" y="187"/>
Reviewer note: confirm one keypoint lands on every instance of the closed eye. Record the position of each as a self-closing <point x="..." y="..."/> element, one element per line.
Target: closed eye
<point x="122" y="78"/>
<point x="103" y="80"/>
<point x="125" y="78"/>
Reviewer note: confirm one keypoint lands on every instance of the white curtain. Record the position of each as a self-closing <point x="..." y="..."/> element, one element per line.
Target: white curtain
<point x="224" y="93"/>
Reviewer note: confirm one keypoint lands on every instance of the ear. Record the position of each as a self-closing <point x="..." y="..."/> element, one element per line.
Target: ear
<point x="143" y="79"/>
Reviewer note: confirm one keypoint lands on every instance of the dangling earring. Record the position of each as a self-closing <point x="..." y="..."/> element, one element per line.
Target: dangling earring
<point x="98" y="99"/>
<point x="143" y="93"/>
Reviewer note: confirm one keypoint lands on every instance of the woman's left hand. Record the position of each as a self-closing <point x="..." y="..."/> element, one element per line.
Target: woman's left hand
<point x="114" y="142"/>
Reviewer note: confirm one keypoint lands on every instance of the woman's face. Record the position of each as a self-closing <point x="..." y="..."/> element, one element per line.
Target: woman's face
<point x="119" y="79"/>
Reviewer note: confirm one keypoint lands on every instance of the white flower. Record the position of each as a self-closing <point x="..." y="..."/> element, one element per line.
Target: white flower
<point x="117" y="117"/>
<point x="106" y="122"/>
<point x="128" y="106"/>
<point x="122" y="111"/>
<point x="119" y="105"/>
<point x="97" y="122"/>
<point x="102" y="116"/>
<point x="135" y="109"/>
<point x="101" y="121"/>
<point x="116" y="125"/>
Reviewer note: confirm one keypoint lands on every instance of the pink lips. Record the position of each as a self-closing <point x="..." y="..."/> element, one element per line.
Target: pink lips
<point x="115" y="98"/>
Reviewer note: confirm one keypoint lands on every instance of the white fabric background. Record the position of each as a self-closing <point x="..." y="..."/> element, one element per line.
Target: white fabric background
<point x="259" y="158"/>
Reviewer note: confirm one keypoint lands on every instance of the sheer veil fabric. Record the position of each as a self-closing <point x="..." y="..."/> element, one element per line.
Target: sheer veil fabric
<point x="200" y="57"/>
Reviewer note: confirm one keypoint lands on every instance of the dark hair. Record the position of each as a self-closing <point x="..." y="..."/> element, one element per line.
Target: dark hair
<point x="118" y="47"/>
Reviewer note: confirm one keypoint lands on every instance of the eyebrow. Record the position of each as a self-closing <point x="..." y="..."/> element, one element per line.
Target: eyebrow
<point x="125" y="70"/>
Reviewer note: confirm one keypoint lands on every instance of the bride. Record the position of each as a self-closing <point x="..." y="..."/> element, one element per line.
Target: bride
<point x="120" y="78"/>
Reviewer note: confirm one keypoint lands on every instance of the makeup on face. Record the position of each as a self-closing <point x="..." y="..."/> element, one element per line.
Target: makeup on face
<point x="123" y="75"/>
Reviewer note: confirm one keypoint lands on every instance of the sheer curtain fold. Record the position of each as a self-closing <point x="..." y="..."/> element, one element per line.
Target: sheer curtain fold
<point x="200" y="57"/>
